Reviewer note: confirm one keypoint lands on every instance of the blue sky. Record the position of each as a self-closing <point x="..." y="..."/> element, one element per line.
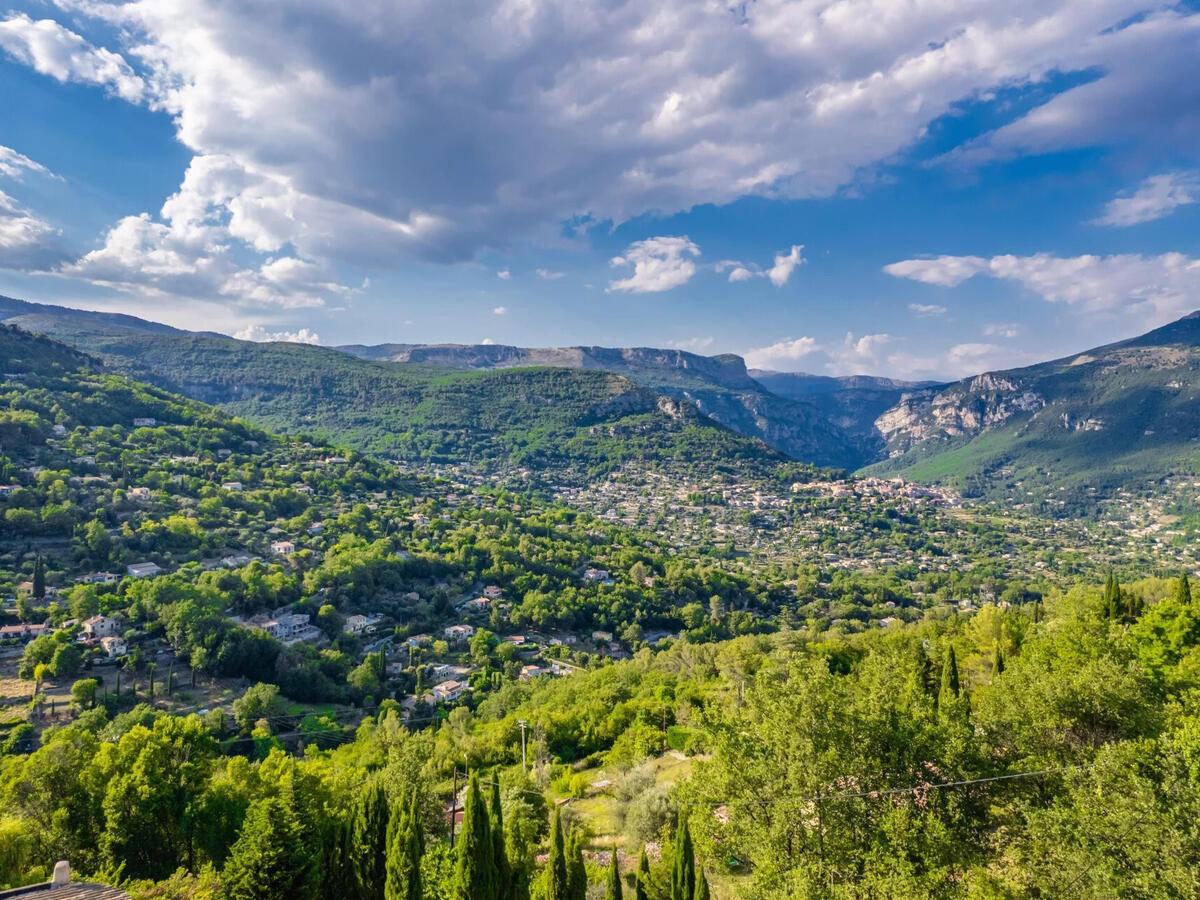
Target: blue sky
<point x="913" y="189"/>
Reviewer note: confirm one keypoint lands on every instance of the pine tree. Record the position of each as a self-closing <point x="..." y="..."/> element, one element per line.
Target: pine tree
<point x="369" y="842"/>
<point x="641" y="883"/>
<point x="683" y="872"/>
<point x="404" y="855"/>
<point x="612" y="889"/>
<point x="499" y="853"/>
<point x="577" y="881"/>
<point x="1183" y="590"/>
<point x="270" y="860"/>
<point x="39" y="578"/>
<point x="475" y="872"/>
<point x="556" y="867"/>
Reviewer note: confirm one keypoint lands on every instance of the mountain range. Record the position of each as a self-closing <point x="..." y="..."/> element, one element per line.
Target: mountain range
<point x="1098" y="421"/>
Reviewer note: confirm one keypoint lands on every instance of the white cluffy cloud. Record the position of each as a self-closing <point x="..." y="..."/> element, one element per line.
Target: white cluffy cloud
<point x="850" y="356"/>
<point x="260" y="334"/>
<point x="28" y="243"/>
<point x="1152" y="289"/>
<point x="1157" y="196"/>
<point x="500" y="311"/>
<point x="693" y="344"/>
<point x="883" y="354"/>
<point x="659" y="264"/>
<point x="549" y="274"/>
<point x="15" y="165"/>
<point x="927" y="309"/>
<point x="786" y="262"/>
<point x="54" y="50"/>
<point x="364" y="133"/>
<point x="504" y="275"/>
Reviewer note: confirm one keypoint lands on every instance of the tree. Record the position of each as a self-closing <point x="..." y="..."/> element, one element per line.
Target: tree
<point x="83" y="693"/>
<point x="641" y="885"/>
<point x="577" y="880"/>
<point x="369" y="841"/>
<point x="1183" y="590"/>
<point x="39" y="578"/>
<point x="556" y="866"/>
<point x="404" y="855"/>
<point x="1112" y="597"/>
<point x="950" y="683"/>
<point x="683" y="871"/>
<point x="475" y="872"/>
<point x="153" y="779"/>
<point x="257" y="702"/>
<point x="701" y="885"/>
<point x="270" y="860"/>
<point x="504" y="873"/>
<point x="998" y="661"/>
<point x="612" y="889"/>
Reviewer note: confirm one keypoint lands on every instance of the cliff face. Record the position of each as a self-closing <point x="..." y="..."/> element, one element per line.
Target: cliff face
<point x="719" y="387"/>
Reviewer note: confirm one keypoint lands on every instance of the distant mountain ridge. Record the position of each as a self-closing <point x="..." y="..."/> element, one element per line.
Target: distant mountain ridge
<point x="721" y="387"/>
<point x="1122" y="415"/>
<point x="1126" y="414"/>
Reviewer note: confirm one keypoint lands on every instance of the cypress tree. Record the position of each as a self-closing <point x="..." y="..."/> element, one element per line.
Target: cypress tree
<point x="641" y="884"/>
<point x="270" y="860"/>
<point x="404" y="855"/>
<point x="1183" y="590"/>
<point x="475" y="873"/>
<point x="950" y="673"/>
<point x="577" y="881"/>
<point x="683" y="873"/>
<point x="1112" y="594"/>
<point x="39" y="578"/>
<point x="612" y="890"/>
<point x="338" y="863"/>
<point x="556" y="888"/>
<point x="499" y="854"/>
<point x="369" y="842"/>
<point x="949" y="696"/>
<point x="998" y="661"/>
<point x="701" y="885"/>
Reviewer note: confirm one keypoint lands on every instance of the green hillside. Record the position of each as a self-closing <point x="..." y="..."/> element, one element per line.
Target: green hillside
<point x="541" y="418"/>
<point x="1062" y="433"/>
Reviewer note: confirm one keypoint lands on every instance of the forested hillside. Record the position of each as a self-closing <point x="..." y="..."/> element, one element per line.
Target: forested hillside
<point x="1118" y="417"/>
<point x="1044" y="750"/>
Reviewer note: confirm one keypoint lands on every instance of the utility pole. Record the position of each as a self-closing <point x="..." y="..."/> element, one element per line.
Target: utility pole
<point x="523" y="725"/>
<point x="453" y="807"/>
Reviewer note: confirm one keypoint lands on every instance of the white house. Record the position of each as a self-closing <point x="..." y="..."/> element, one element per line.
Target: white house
<point x="114" y="646"/>
<point x="283" y="548"/>
<point x="449" y="691"/>
<point x="288" y="628"/>
<point x="98" y="578"/>
<point x="138" y="493"/>
<point x="492" y="592"/>
<point x="144" y="422"/>
<point x="459" y="633"/>
<point x="101" y="627"/>
<point x="231" y="485"/>
<point x="143" y="569"/>
<point x="597" y="576"/>
<point x="360" y="624"/>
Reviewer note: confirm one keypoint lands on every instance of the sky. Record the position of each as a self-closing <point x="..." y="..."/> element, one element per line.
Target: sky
<point x="911" y="188"/>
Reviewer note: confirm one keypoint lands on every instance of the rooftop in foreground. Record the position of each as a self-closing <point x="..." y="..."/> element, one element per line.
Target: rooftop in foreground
<point x="60" y="887"/>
